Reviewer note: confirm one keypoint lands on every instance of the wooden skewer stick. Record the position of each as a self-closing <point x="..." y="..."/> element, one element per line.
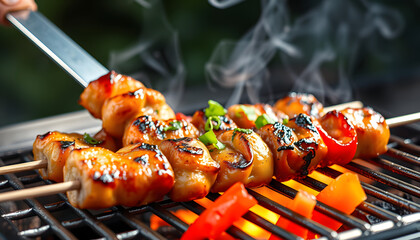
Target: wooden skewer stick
<point x="402" y="120"/>
<point x="23" y="167"/>
<point x="40" y="191"/>
<point x="339" y="107"/>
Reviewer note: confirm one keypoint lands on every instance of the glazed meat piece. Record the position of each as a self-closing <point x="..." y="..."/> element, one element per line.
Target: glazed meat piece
<point x="199" y="120"/>
<point x="372" y="131"/>
<point x="119" y="110"/>
<point x="244" y="115"/>
<point x="162" y="178"/>
<point x="296" y="103"/>
<point x="107" y="86"/>
<point x="245" y="159"/>
<point x="195" y="170"/>
<point x="108" y="179"/>
<point x="107" y="141"/>
<point x="54" y="147"/>
<point x="297" y="147"/>
<point x="146" y="129"/>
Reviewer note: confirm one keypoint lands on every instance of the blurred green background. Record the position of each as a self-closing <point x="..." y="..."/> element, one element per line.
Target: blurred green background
<point x="32" y="86"/>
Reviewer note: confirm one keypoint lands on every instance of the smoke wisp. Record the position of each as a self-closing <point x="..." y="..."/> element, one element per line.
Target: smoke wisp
<point x="322" y="42"/>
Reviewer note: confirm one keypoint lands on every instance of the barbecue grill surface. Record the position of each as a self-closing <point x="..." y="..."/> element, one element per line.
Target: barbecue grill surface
<point x="391" y="211"/>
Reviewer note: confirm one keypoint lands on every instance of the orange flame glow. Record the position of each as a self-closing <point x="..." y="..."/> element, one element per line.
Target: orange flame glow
<point x="246" y="226"/>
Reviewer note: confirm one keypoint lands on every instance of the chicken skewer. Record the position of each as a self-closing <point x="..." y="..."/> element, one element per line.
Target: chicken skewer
<point x="57" y="146"/>
<point x="392" y="122"/>
<point x="138" y="174"/>
<point x="70" y="185"/>
<point x="113" y="80"/>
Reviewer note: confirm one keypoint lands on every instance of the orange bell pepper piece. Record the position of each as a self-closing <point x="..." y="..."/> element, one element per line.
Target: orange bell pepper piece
<point x="344" y="193"/>
<point x="304" y="204"/>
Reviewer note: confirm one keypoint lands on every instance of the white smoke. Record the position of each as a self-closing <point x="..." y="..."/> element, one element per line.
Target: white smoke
<point x="157" y="51"/>
<point x="323" y="41"/>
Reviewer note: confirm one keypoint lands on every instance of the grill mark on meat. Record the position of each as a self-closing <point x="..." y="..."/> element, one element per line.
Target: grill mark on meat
<point x="185" y="147"/>
<point x="66" y="144"/>
<point x="44" y="135"/>
<point x="283" y="132"/>
<point x="144" y="160"/>
<point x="105" y="178"/>
<point x="145" y="124"/>
<point x="303" y="120"/>
<point x="306" y="145"/>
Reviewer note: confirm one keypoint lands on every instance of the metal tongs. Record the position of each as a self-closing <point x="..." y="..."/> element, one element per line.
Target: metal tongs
<point x="51" y="40"/>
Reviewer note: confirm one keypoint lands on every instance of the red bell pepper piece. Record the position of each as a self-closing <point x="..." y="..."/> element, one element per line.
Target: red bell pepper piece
<point x="344" y="193"/>
<point x="218" y="217"/>
<point x="180" y="116"/>
<point x="304" y="204"/>
<point x="339" y="136"/>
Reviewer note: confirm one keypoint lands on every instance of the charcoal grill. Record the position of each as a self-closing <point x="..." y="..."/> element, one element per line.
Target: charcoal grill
<point x="390" y="181"/>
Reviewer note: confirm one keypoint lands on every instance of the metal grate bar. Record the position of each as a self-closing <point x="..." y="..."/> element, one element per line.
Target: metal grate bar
<point x="89" y="219"/>
<point x="254" y="218"/>
<point x="379" y="212"/>
<point x="33" y="233"/>
<point x="233" y="231"/>
<point x="141" y="228"/>
<point x="25" y="180"/>
<point x="133" y="234"/>
<point x="405" y="143"/>
<point x="30" y="179"/>
<point x="396" y="168"/>
<point x="92" y="222"/>
<point x="40" y="210"/>
<point x="404" y="156"/>
<point x="383" y="178"/>
<point x="168" y="217"/>
<point x="378" y="193"/>
<point x="99" y="227"/>
<point x="28" y="212"/>
<point x="408" y="232"/>
<point x="4" y="184"/>
<point x="291" y="215"/>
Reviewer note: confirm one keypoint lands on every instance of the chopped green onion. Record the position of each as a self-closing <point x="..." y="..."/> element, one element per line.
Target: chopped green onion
<point x="219" y="145"/>
<point x="214" y="109"/>
<point x="210" y="138"/>
<point x="209" y="123"/>
<point x="242" y="130"/>
<point x="285" y="121"/>
<point x="249" y="112"/>
<point x="175" y="125"/>
<point x="263" y="120"/>
<point x="90" y="140"/>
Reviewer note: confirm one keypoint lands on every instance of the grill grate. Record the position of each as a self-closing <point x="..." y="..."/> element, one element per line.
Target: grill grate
<point x="392" y="180"/>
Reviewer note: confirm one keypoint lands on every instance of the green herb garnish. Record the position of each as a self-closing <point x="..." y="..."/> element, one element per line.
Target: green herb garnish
<point x="285" y="121"/>
<point x="175" y="125"/>
<point x="90" y="140"/>
<point x="214" y="109"/>
<point x="210" y="138"/>
<point x="209" y="123"/>
<point x="243" y="130"/>
<point x="263" y="120"/>
<point x="249" y="112"/>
